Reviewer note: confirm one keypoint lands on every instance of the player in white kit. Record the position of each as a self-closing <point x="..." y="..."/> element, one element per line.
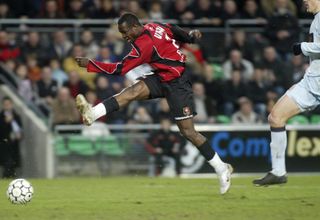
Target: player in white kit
<point x="303" y="96"/>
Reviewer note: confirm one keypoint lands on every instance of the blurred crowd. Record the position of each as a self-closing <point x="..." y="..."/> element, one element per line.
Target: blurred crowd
<point x="242" y="88"/>
<point x="213" y="12"/>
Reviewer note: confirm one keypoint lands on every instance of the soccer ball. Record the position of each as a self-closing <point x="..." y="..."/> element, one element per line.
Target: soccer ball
<point x="20" y="191"/>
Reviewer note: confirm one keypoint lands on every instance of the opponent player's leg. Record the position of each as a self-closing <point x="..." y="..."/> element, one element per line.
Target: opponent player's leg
<point x="223" y="170"/>
<point x="284" y="109"/>
<point x="137" y="91"/>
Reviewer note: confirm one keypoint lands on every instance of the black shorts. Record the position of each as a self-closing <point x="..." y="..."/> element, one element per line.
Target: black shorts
<point x="178" y="93"/>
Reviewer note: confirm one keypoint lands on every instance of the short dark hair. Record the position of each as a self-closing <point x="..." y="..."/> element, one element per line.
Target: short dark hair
<point x="130" y="19"/>
<point x="6" y="98"/>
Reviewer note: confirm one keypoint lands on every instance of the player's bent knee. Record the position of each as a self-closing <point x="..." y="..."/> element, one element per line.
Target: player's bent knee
<point x="275" y="120"/>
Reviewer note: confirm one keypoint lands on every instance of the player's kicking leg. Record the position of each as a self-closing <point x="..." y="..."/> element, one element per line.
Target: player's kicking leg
<point x="222" y="169"/>
<point x="138" y="91"/>
<point x="284" y="109"/>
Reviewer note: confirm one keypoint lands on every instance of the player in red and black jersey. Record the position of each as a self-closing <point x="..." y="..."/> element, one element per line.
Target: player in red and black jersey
<point x="159" y="46"/>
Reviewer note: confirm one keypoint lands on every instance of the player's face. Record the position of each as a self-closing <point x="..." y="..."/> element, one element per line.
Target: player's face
<point x="312" y="6"/>
<point x="129" y="34"/>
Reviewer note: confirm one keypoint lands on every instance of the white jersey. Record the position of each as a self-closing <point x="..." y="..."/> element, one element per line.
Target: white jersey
<point x="312" y="49"/>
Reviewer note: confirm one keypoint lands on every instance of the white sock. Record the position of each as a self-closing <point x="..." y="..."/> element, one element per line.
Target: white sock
<point x="217" y="164"/>
<point x="278" y="147"/>
<point x="99" y="111"/>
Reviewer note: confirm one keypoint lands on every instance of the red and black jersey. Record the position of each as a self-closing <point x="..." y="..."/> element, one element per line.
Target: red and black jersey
<point x="158" y="46"/>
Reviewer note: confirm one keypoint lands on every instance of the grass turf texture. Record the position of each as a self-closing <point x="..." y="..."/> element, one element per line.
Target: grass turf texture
<point x="146" y="198"/>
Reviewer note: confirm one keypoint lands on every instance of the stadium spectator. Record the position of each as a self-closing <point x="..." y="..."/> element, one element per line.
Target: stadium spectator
<point x="46" y="87"/>
<point x="61" y="45"/>
<point x="33" y="47"/>
<point x="251" y="10"/>
<point x="116" y="83"/>
<point x="302" y="10"/>
<point x="134" y="7"/>
<point x="23" y="83"/>
<point x="90" y="47"/>
<point x="10" y="65"/>
<point x="232" y="89"/>
<point x="236" y="62"/>
<point x="51" y="10"/>
<point x="217" y="5"/>
<point x="113" y="40"/>
<point x="180" y="10"/>
<point x="69" y="65"/>
<point x="10" y="137"/>
<point x="246" y="115"/>
<point x="105" y="55"/>
<point x="206" y="13"/>
<point x="34" y="70"/>
<point x="165" y="142"/>
<point x="257" y="91"/>
<point x="92" y="98"/>
<point x="282" y="29"/>
<point x="75" y="84"/>
<point x="20" y="8"/>
<point x="269" y="6"/>
<point x="204" y="106"/>
<point x="103" y="9"/>
<point x="57" y="73"/>
<point x="64" y="110"/>
<point x="156" y="11"/>
<point x="296" y="69"/>
<point x="196" y="59"/>
<point x="230" y="10"/>
<point x="103" y="88"/>
<point x="142" y="116"/>
<point x="276" y="69"/>
<point x="241" y="42"/>
<point x="76" y="10"/>
<point x="212" y="85"/>
<point x="162" y="110"/>
<point x="7" y="50"/>
<point x="5" y="11"/>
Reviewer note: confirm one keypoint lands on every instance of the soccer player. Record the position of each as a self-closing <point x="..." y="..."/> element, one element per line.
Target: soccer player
<point x="303" y="96"/>
<point x="159" y="46"/>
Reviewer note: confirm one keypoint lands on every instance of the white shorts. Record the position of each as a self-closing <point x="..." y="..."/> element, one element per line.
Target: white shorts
<point x="306" y="93"/>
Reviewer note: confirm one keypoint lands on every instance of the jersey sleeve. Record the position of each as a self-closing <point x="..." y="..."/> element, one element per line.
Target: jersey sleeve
<point x="140" y="53"/>
<point x="180" y="35"/>
<point x="309" y="48"/>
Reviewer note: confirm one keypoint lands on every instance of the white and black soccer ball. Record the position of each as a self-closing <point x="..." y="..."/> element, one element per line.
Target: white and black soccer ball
<point x="20" y="191"/>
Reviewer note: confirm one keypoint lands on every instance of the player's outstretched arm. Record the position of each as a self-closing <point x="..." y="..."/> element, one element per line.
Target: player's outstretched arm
<point x="141" y="53"/>
<point x="98" y="67"/>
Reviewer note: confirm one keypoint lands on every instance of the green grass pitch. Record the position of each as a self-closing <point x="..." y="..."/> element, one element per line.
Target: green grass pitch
<point x="139" y="198"/>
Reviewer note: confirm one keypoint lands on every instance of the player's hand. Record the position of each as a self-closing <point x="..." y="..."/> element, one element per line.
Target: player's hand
<point x="196" y="34"/>
<point x="82" y="61"/>
<point x="296" y="48"/>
